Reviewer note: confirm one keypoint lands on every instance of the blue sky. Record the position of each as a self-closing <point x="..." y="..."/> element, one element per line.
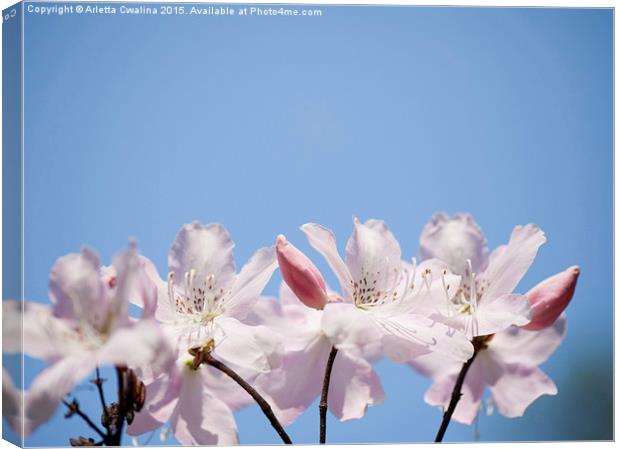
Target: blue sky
<point x="138" y="124"/>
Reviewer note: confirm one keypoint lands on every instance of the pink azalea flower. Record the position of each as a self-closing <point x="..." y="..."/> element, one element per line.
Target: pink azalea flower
<point x="205" y="301"/>
<point x="508" y="366"/>
<point x="485" y="302"/>
<point x="294" y="386"/>
<point x="384" y="310"/>
<point x="88" y="325"/>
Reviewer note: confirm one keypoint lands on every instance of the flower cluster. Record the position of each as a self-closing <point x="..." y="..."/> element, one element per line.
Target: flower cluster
<point x="208" y="343"/>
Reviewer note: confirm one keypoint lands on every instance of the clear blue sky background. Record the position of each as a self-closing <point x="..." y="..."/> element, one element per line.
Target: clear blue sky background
<point x="138" y="124"/>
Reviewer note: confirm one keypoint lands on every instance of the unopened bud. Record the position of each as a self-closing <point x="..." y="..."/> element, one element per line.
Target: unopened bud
<point x="549" y="298"/>
<point x="301" y="275"/>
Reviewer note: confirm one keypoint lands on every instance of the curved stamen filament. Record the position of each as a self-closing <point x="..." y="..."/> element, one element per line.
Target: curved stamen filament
<point x="445" y="290"/>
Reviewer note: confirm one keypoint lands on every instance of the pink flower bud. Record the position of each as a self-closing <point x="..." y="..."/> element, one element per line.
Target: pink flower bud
<point x="301" y="275"/>
<point x="549" y="298"/>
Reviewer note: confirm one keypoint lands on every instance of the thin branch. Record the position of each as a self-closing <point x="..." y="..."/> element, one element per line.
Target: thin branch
<point x="206" y="357"/>
<point x="99" y="382"/>
<point x="456" y="396"/>
<point x="324" y="392"/>
<point x="74" y="408"/>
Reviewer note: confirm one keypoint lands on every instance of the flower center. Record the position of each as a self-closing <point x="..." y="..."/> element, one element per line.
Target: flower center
<point x="199" y="299"/>
<point x="366" y="294"/>
<point x="470" y="292"/>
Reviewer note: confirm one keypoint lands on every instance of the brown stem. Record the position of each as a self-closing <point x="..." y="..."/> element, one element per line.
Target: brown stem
<point x="207" y="358"/>
<point x="456" y="396"/>
<point x="99" y="383"/>
<point x="115" y="437"/>
<point x="324" y="392"/>
<point x="74" y="408"/>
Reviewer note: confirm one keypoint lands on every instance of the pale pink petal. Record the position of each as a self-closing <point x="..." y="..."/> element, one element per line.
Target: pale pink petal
<point x="162" y="395"/>
<point x="130" y="282"/>
<point x="324" y="241"/>
<point x="207" y="249"/>
<point x="373" y="253"/>
<point x="250" y="282"/>
<point x="496" y="254"/>
<point x="140" y="345"/>
<point x="454" y="240"/>
<point x="516" y="345"/>
<point x="507" y="269"/>
<point x="301" y="275"/>
<point x="12" y="405"/>
<point x="549" y="298"/>
<point x="295" y="323"/>
<point x="287" y="297"/>
<point x="425" y="289"/>
<point x="292" y="388"/>
<point x="44" y="335"/>
<point x="224" y="388"/>
<point x="75" y="282"/>
<point x="408" y="336"/>
<point x="51" y="385"/>
<point x="353" y="330"/>
<point x="253" y="348"/>
<point x="142" y="423"/>
<point x="353" y="387"/>
<point x="518" y="387"/>
<point x="146" y="286"/>
<point x="435" y="365"/>
<point x="200" y="418"/>
<point x="440" y="393"/>
<point x="498" y="313"/>
<point x="151" y="282"/>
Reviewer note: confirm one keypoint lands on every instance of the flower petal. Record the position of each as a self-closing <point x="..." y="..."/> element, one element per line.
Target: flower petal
<point x="467" y="408"/>
<point x="426" y="289"/>
<point x="518" y="387"/>
<point x="255" y="349"/>
<point x="287" y="297"/>
<point x="294" y="323"/>
<point x="324" y="241"/>
<point x="200" y="418"/>
<point x="75" y="285"/>
<point x="372" y="251"/>
<point x="498" y="313"/>
<point x="511" y="263"/>
<point x="162" y="395"/>
<point x="130" y="282"/>
<point x="44" y="336"/>
<point x="517" y="345"/>
<point x="435" y="365"/>
<point x="353" y="386"/>
<point x="353" y="330"/>
<point x="250" y="282"/>
<point x="227" y="390"/>
<point x="147" y="288"/>
<point x="51" y="385"/>
<point x="207" y="249"/>
<point x="140" y="345"/>
<point x="454" y="240"/>
<point x="409" y="336"/>
<point x="12" y="406"/>
<point x="292" y="388"/>
<point x="150" y="282"/>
